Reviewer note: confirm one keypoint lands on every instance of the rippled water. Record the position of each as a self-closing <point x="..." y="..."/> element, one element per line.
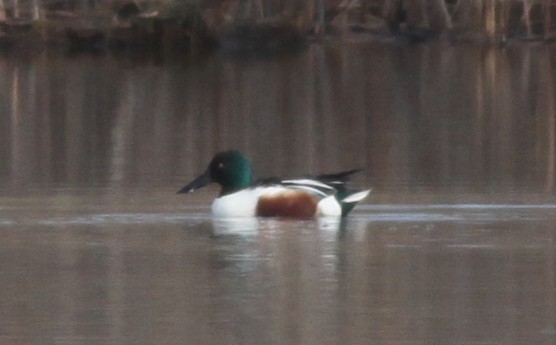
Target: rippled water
<point x="394" y="274"/>
<point x="455" y="246"/>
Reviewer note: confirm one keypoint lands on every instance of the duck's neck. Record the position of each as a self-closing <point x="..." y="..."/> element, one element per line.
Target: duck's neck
<point x="239" y="182"/>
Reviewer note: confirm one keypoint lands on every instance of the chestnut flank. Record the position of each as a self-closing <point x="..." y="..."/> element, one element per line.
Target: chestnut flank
<point x="291" y="204"/>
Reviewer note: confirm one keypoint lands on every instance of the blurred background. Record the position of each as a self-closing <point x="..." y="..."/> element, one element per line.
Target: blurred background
<point x="461" y="121"/>
<point x="108" y="108"/>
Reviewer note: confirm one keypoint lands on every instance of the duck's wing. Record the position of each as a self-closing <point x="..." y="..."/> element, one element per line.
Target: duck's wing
<point x="337" y="178"/>
<point x="320" y="186"/>
<point x="310" y="186"/>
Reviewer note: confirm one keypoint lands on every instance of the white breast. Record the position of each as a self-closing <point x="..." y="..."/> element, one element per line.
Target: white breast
<point x="242" y="203"/>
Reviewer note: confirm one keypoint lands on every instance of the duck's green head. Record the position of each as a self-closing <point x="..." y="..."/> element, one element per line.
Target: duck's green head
<point x="230" y="169"/>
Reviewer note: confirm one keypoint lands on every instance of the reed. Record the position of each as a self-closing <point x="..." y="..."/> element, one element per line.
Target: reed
<point x="198" y="24"/>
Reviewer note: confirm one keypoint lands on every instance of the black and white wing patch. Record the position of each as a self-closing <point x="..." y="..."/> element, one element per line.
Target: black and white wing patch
<point x="310" y="186"/>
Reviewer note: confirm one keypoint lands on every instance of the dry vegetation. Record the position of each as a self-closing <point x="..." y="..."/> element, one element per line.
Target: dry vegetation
<point x="266" y="25"/>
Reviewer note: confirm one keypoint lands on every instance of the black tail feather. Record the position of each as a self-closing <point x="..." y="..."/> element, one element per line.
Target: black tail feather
<point x="337" y="178"/>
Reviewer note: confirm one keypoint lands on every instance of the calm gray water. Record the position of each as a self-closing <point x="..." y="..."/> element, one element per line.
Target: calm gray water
<point x="455" y="246"/>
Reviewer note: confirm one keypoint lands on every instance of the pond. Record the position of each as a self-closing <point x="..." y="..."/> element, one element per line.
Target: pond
<point x="456" y="244"/>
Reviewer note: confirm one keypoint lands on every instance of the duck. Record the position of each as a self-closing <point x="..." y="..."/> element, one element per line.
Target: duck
<point x="301" y="198"/>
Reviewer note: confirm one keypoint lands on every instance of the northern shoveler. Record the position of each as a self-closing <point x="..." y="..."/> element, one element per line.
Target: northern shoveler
<point x="325" y="195"/>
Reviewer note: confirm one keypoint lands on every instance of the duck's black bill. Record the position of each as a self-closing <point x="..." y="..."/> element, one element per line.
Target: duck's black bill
<point x="199" y="182"/>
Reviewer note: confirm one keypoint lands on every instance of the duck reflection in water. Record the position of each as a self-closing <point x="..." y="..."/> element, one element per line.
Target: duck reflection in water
<point x="222" y="226"/>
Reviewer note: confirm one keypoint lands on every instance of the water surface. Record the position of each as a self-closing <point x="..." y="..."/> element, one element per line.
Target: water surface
<point x="455" y="246"/>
